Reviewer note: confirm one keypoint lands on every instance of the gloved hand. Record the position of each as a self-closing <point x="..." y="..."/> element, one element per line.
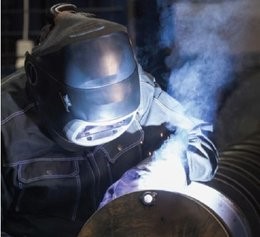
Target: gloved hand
<point x="163" y="171"/>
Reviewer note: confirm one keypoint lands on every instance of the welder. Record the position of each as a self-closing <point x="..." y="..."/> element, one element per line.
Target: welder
<point x="78" y="116"/>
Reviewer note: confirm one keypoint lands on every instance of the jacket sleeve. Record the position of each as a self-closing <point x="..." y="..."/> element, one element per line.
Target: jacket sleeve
<point x="158" y="107"/>
<point x="6" y="198"/>
<point x="7" y="192"/>
<point x="202" y="155"/>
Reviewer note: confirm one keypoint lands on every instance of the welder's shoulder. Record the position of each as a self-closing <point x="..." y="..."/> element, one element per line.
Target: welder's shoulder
<point x="18" y="127"/>
<point x="13" y="80"/>
<point x="147" y="88"/>
<point x="13" y="95"/>
<point x="150" y="87"/>
<point x="146" y="78"/>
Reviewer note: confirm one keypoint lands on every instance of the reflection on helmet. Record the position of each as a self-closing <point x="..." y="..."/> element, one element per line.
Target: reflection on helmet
<point x="87" y="90"/>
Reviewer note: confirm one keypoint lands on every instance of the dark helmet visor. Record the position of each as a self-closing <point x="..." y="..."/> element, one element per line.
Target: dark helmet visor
<point x="94" y="80"/>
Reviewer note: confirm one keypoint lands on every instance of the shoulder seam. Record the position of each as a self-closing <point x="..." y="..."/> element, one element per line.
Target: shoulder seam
<point x="10" y="77"/>
<point x="17" y="113"/>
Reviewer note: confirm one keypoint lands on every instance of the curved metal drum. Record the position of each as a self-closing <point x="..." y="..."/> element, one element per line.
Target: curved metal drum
<point x="153" y="214"/>
<point x="238" y="179"/>
<point x="227" y="206"/>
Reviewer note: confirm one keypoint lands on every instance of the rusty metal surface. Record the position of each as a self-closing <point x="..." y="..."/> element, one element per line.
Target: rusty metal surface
<point x="168" y="214"/>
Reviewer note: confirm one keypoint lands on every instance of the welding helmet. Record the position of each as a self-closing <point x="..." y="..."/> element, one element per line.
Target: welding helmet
<point x="84" y="79"/>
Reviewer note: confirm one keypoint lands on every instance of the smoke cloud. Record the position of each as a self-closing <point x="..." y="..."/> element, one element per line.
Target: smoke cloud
<point x="200" y="34"/>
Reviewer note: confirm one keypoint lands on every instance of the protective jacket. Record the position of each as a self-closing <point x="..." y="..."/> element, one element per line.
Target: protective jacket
<point x="48" y="190"/>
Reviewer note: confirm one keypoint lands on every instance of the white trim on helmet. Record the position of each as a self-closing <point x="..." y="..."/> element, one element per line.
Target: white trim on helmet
<point x="84" y="133"/>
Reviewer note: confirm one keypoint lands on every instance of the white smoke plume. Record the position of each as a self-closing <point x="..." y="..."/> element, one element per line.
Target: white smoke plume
<point x="202" y="33"/>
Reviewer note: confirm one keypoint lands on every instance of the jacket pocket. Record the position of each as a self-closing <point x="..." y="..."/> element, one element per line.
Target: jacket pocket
<point x="47" y="169"/>
<point x="49" y="187"/>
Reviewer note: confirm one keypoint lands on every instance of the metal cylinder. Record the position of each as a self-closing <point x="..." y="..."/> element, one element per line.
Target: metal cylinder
<point x="164" y="214"/>
<point x="238" y="179"/>
<point x="227" y="206"/>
